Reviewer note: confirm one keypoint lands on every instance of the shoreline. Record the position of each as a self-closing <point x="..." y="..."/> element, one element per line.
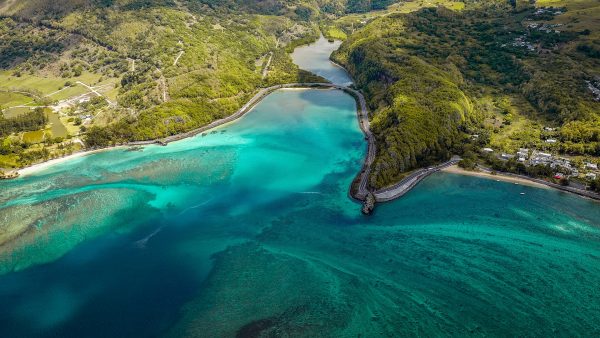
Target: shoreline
<point x="406" y="184"/>
<point x="499" y="177"/>
<point x="34" y="168"/>
<point x="524" y="180"/>
<point x="248" y="107"/>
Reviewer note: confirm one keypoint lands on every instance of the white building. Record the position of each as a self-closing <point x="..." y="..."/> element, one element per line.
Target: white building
<point x="523" y="152"/>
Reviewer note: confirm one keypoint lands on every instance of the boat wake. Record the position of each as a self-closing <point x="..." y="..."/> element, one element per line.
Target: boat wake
<point x="141" y="244"/>
<point x="196" y="206"/>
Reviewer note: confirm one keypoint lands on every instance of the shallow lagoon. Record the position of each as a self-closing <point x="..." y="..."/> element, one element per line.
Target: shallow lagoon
<point x="249" y="230"/>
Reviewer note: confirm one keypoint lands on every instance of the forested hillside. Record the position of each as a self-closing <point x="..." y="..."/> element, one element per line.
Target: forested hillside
<point x="292" y="8"/>
<point x="509" y="75"/>
<point x="449" y="78"/>
<point x="161" y="67"/>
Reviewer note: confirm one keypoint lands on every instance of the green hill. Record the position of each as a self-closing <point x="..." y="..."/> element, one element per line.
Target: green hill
<point x="506" y="74"/>
<point x="514" y="74"/>
<point x="162" y="66"/>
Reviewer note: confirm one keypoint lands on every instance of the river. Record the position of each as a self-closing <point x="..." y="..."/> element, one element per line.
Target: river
<point x="249" y="230"/>
<point x="314" y="57"/>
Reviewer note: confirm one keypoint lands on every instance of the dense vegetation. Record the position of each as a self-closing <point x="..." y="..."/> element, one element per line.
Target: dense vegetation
<point x="436" y="76"/>
<point x="130" y="46"/>
<point x="32" y="121"/>
<point x="501" y="70"/>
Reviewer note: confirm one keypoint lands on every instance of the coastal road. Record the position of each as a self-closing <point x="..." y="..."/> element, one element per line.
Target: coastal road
<point x="409" y="182"/>
<point x="362" y="114"/>
<point x="362" y="190"/>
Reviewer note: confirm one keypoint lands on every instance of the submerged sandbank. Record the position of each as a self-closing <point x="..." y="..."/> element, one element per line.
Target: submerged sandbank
<point x="35" y="168"/>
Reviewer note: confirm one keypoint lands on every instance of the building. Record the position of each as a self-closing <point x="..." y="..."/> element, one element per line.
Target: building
<point x="523" y="152"/>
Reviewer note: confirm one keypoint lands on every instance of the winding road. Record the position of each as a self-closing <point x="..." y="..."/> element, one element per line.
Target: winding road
<point x="362" y="114"/>
<point x="409" y="182"/>
<point x="362" y="190"/>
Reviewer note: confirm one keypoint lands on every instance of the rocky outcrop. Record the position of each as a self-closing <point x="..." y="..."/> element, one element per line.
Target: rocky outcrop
<point x="369" y="204"/>
<point x="8" y="175"/>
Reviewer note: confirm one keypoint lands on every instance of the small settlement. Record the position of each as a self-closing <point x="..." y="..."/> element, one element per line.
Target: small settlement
<point x="563" y="168"/>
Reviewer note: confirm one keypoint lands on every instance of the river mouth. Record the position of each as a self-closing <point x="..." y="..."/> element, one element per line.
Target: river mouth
<point x="248" y="230"/>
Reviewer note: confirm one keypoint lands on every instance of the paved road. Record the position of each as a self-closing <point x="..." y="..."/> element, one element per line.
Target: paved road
<point x="382" y="195"/>
<point x="409" y="182"/>
<point x="362" y="114"/>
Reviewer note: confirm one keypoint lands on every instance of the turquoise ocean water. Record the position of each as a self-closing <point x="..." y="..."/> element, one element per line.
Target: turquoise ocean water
<point x="249" y="231"/>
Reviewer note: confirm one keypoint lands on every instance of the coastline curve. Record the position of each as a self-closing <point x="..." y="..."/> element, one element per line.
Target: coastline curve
<point x="362" y="114"/>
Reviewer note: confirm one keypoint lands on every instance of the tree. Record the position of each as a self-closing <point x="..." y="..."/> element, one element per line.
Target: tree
<point x="595" y="185"/>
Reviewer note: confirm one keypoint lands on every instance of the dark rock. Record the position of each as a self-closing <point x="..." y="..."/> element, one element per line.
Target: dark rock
<point x="369" y="204"/>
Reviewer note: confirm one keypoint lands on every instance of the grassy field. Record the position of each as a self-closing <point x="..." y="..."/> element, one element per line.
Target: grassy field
<point x="57" y="129"/>
<point x="411" y="6"/>
<point x="9" y="99"/>
<point x="9" y="161"/>
<point x="12" y="112"/>
<point x="333" y="32"/>
<point x="348" y="24"/>
<point x="580" y="15"/>
<point x="45" y="85"/>
<point x="34" y="136"/>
